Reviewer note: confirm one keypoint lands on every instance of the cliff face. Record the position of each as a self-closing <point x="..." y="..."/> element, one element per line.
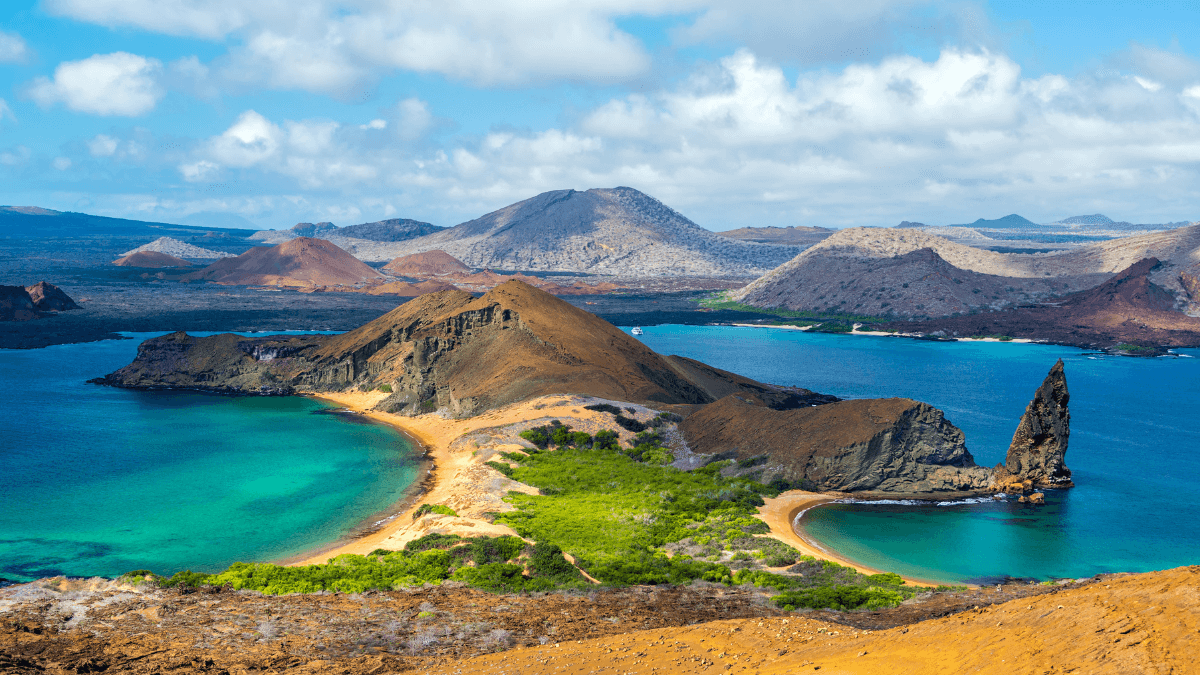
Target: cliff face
<point x="893" y="445"/>
<point x="1039" y="446"/>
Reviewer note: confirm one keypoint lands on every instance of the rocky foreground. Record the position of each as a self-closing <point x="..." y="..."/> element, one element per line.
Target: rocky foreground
<point x="1115" y="624"/>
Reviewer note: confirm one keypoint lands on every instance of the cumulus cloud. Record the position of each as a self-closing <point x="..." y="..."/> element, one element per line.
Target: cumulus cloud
<point x="946" y="140"/>
<point x="102" y="146"/>
<point x="13" y="48"/>
<point x="105" y="84"/>
<point x="330" y="45"/>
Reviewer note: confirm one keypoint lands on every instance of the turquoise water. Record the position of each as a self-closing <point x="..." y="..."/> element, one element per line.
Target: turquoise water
<point x="1134" y="450"/>
<point x="101" y="481"/>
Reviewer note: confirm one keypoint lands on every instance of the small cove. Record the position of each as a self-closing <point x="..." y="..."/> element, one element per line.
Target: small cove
<point x="100" y="481"/>
<point x="1134" y="450"/>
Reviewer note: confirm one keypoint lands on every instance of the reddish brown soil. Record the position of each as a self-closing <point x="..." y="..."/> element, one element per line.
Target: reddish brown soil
<point x="430" y="263"/>
<point x="1127" y="308"/>
<point x="298" y="262"/>
<point x="83" y="626"/>
<point x="1132" y="624"/>
<point x="152" y="259"/>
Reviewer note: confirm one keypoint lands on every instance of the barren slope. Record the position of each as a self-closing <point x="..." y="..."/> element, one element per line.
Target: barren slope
<point x="1143" y="623"/>
<point x="426" y="264"/>
<point x="298" y="262"/>
<point x="600" y="231"/>
<point x="917" y="283"/>
<point x="1129" y="307"/>
<point x="152" y="259"/>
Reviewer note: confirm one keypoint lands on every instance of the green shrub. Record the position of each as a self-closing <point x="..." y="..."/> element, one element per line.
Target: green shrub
<point x="652" y="569"/>
<point x="386" y="388"/>
<point x="501" y="467"/>
<point x="606" y="440"/>
<point x="425" y="509"/>
<point x="604" y="407"/>
<point x="539" y="439"/>
<point x="839" y="597"/>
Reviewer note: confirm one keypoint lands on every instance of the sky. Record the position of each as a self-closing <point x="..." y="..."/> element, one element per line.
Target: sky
<point x="735" y="113"/>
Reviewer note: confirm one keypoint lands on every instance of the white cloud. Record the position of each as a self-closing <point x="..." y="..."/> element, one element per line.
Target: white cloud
<point x="13" y="48"/>
<point x="105" y="84"/>
<point x="374" y="124"/>
<point x="15" y="156"/>
<point x="251" y="139"/>
<point x="196" y="172"/>
<point x="740" y="142"/>
<point x="102" y="146"/>
<point x="61" y="163"/>
<point x="6" y="111"/>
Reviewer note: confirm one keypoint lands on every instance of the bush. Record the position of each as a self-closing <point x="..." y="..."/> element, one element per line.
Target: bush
<point x="629" y="423"/>
<point x="606" y="440"/>
<point x="604" y="407"/>
<point x="385" y="388"/>
<point x="536" y="436"/>
<point x="839" y="597"/>
<point x="433" y="508"/>
<point x="653" y="569"/>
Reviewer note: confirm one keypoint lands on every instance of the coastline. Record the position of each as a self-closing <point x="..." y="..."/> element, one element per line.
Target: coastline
<point x="455" y="451"/>
<point x="879" y="333"/>
<point x="781" y="514"/>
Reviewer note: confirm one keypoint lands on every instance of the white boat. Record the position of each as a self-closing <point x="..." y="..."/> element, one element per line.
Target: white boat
<point x="636" y="330"/>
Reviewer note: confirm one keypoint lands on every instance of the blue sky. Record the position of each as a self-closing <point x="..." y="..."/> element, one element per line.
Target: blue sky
<point x="749" y="113"/>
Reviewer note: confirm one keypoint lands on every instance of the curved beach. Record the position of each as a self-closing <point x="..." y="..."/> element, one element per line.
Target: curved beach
<point x="459" y="478"/>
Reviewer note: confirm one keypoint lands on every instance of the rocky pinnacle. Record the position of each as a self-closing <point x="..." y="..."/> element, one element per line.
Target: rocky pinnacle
<point x="1040" y="444"/>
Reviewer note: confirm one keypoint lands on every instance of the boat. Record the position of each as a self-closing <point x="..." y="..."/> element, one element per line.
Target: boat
<point x="637" y="330"/>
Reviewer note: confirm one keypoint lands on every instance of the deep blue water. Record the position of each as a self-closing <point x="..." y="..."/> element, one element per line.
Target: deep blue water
<point x="1134" y="449"/>
<point x="99" y="481"/>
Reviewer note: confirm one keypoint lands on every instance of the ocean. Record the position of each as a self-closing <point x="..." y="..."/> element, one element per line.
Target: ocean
<point x="101" y="481"/>
<point x="1134" y="450"/>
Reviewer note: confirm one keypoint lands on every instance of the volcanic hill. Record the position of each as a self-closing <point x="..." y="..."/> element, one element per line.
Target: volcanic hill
<point x="1128" y="308"/>
<point x="463" y="355"/>
<point x="297" y="262"/>
<point x="151" y="259"/>
<point x="23" y="303"/>
<point x="427" y="264"/>
<point x="178" y="249"/>
<point x="618" y="231"/>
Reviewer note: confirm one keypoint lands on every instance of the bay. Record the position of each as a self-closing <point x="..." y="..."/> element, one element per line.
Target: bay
<point x="1134" y="449"/>
<point x="97" y="480"/>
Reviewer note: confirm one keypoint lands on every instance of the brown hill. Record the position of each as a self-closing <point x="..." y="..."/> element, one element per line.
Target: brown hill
<point x="16" y="305"/>
<point x="150" y="259"/>
<point x="1128" y="308"/>
<point x="403" y="288"/>
<point x="298" y="262"/>
<point x="427" y="264"/>
<point x="893" y="445"/>
<point x="47" y="297"/>
<point x="916" y="283"/>
<point x="445" y="350"/>
<point x="453" y="352"/>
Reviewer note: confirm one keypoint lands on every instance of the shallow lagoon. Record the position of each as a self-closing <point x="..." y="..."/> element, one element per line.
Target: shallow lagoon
<point x="1134" y="449"/>
<point x="99" y="481"/>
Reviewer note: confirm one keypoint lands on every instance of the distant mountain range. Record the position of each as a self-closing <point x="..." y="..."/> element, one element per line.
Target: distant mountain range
<point x="602" y="231"/>
<point x="1013" y="231"/>
<point x="393" y="230"/>
<point x="35" y="222"/>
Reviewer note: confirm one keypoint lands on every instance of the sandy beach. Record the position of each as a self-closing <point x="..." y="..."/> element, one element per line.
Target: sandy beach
<point x="460" y="478"/>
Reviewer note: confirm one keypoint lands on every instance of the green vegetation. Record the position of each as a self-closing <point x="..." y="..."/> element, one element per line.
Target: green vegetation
<point x="385" y="388"/>
<point x="500" y="564"/>
<point x="425" y="509"/>
<point x="623" y="513"/>
<point x="994" y="336"/>
<point x="1136" y="350"/>
<point x="721" y="301"/>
